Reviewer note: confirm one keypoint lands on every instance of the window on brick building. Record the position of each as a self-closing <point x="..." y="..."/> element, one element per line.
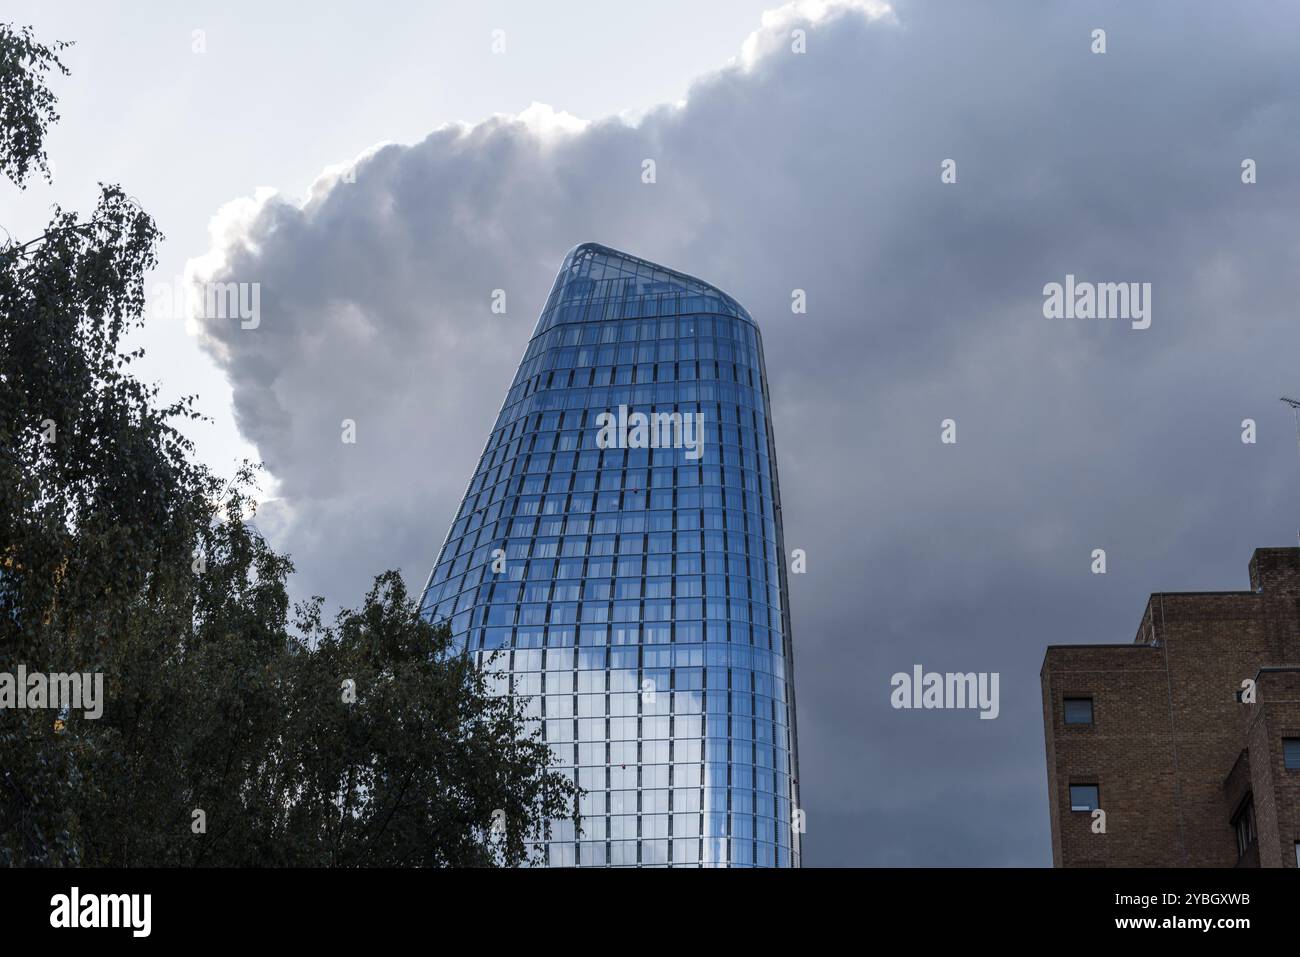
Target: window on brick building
<point x="1244" y="824"/>
<point x="1085" y="797"/>
<point x="1297" y="853"/>
<point x="1078" y="711"/>
<point x="1291" y="753"/>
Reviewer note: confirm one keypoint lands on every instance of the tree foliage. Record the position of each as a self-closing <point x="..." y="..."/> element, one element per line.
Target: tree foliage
<point x="26" y="103"/>
<point x="235" y="730"/>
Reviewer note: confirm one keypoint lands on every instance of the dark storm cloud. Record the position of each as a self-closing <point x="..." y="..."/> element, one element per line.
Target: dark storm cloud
<point x="821" y="171"/>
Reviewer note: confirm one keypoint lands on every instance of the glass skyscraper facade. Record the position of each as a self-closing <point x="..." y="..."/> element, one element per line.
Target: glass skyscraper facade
<point x="636" y="596"/>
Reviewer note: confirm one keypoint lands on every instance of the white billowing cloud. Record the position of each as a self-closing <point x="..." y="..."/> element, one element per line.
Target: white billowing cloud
<point x="778" y="25"/>
<point x="550" y="124"/>
<point x="231" y="229"/>
<point x="821" y="171"/>
<point x="329" y="177"/>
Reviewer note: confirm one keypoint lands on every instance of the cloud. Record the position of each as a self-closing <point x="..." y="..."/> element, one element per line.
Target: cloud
<point x="821" y="171"/>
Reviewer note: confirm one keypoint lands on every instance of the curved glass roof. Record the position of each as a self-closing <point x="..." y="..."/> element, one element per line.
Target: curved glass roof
<point x="590" y="268"/>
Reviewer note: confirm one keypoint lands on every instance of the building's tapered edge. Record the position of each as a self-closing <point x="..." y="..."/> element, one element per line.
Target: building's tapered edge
<point x="688" y="284"/>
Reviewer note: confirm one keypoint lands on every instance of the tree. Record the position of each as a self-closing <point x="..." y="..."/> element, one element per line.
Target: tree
<point x="26" y="103"/>
<point x="419" y="763"/>
<point x="226" y="736"/>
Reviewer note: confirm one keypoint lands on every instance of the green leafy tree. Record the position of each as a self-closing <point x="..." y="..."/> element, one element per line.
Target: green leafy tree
<point x="26" y="103"/>
<point x="233" y="733"/>
<point x="398" y="754"/>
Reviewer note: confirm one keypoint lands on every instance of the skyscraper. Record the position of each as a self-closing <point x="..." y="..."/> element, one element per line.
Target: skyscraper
<point x="620" y="547"/>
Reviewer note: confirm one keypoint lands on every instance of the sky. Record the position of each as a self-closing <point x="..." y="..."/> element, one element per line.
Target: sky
<point x="379" y="171"/>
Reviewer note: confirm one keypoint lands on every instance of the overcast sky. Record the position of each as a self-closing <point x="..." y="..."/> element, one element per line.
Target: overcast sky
<point x="776" y="171"/>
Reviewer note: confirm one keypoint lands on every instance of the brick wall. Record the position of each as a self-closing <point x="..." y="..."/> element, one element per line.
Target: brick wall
<point x="1168" y="730"/>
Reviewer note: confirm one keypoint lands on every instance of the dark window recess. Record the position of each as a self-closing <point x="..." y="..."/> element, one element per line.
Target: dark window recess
<point x="1244" y="825"/>
<point x="1291" y="753"/>
<point x="1085" y="797"/>
<point x="1078" y="711"/>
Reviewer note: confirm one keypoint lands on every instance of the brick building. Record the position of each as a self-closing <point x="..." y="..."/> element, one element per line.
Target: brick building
<point x="1163" y="736"/>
